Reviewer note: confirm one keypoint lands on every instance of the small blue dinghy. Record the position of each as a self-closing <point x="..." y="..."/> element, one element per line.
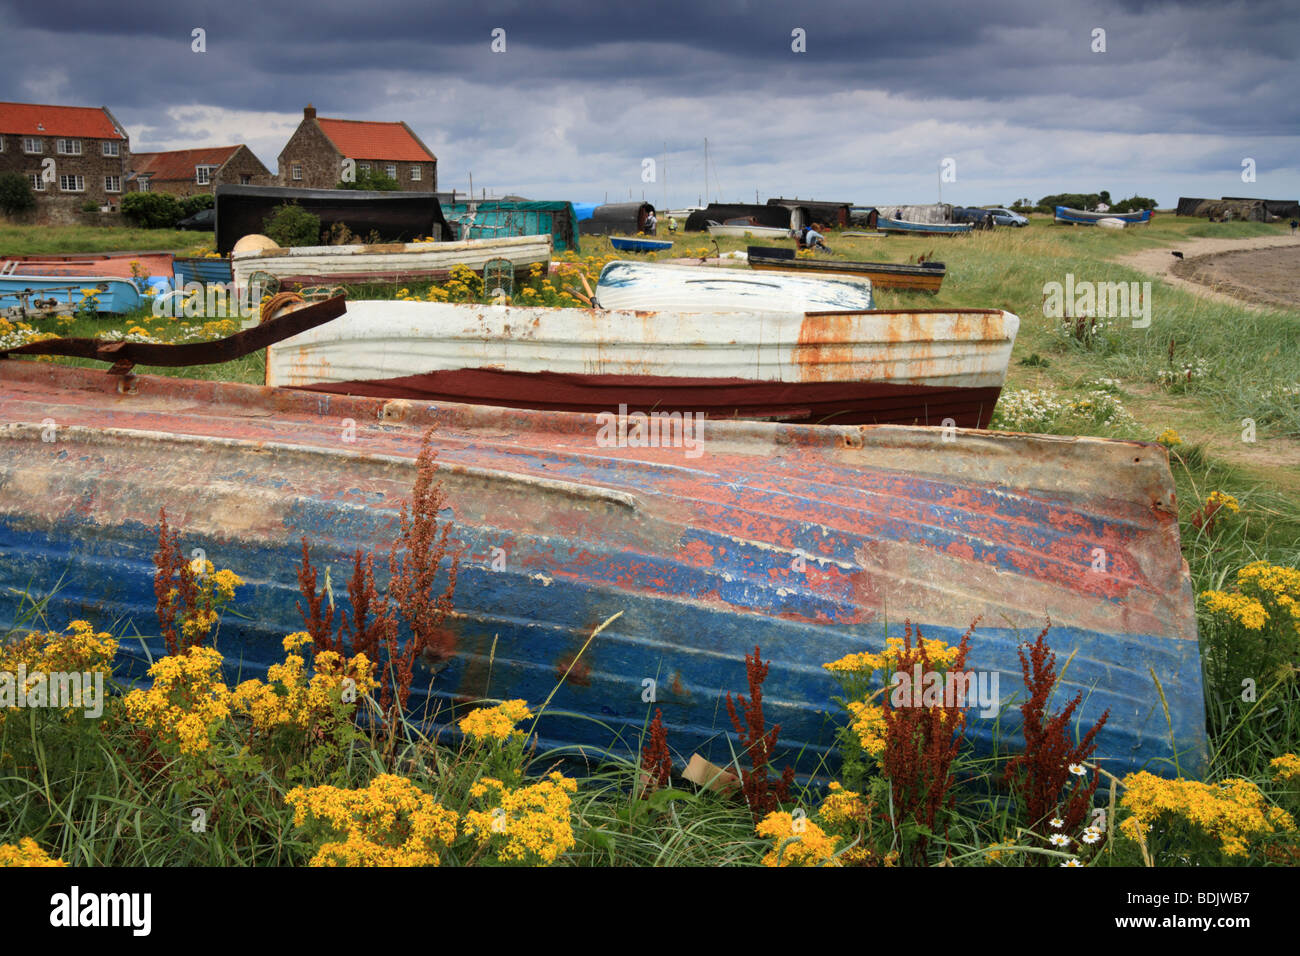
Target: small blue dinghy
<point x="632" y="244"/>
<point x="36" y="294"/>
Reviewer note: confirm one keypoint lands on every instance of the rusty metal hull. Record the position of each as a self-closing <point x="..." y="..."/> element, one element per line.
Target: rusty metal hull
<point x="871" y="367"/>
<point x="810" y="542"/>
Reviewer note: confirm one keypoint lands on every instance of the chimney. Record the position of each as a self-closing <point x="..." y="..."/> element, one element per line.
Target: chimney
<point x="309" y="112"/>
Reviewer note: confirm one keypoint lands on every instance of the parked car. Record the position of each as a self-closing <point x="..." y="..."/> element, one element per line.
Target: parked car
<point x="201" y="220"/>
<point x="980" y="218"/>
<point x="1005" y="217"/>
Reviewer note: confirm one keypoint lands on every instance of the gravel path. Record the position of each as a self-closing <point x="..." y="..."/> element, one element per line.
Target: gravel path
<point x="1228" y="269"/>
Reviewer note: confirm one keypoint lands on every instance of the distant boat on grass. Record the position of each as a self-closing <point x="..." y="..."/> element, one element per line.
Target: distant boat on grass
<point x="636" y="244"/>
<point x="885" y="224"/>
<point x="921" y="276"/>
<point x="1078" y="217"/>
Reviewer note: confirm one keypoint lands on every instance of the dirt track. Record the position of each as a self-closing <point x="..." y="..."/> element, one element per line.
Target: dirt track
<point x="1259" y="272"/>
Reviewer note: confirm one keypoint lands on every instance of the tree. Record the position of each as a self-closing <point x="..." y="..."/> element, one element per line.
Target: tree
<point x="151" y="210"/>
<point x="1134" y="204"/>
<point x="192" y="204"/>
<point x="16" y="193"/>
<point x="291" y="225"/>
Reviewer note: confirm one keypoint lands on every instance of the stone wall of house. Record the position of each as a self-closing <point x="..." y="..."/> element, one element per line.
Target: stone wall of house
<point x="311" y="150"/>
<point x="242" y="169"/>
<point x="62" y="211"/>
<point x="180" y="188"/>
<point x="92" y="166"/>
<point x="427" y="183"/>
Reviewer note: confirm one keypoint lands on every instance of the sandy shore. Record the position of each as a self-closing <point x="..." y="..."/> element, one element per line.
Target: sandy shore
<point x="1260" y="272"/>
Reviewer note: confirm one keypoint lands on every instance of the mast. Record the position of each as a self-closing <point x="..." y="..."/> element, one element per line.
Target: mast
<point x="706" y="168"/>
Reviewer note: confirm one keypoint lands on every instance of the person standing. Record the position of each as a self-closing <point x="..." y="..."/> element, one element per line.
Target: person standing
<point x="651" y="223"/>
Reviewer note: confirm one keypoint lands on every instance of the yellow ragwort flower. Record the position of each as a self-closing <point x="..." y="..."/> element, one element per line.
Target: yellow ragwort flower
<point x="26" y="852"/>
<point x="801" y="843"/>
<point x="495" y="723"/>
<point x="1232" y="811"/>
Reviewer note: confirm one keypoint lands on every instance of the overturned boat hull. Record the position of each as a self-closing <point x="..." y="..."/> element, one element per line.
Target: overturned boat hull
<point x="904" y="226"/>
<point x="633" y="244"/>
<point x="811" y="543"/>
<point x="926" y="366"/>
<point x="119" y="265"/>
<point x="398" y="262"/>
<point x="732" y="231"/>
<point x="1079" y="217"/>
<point x="643" y="285"/>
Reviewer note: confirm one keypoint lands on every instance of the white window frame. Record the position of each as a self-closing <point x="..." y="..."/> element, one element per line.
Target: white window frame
<point x="364" y="167"/>
<point x="112" y="184"/>
<point x="416" y="174"/>
<point x="112" y="147"/>
<point x="2" y="144"/>
<point x="67" y="147"/>
<point x="38" y="182"/>
<point x="391" y="170"/>
<point x="295" y="172"/>
<point x="33" y="145"/>
<point x="203" y="174"/>
<point x="78" y="184"/>
<point x="142" y="184"/>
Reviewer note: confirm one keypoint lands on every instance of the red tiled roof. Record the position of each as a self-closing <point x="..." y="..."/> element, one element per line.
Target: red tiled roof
<point x="358" y="139"/>
<point x="179" y="164"/>
<point x="32" y="119"/>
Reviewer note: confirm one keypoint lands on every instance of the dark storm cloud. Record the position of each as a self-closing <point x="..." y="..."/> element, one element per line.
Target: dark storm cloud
<point x="1003" y="81"/>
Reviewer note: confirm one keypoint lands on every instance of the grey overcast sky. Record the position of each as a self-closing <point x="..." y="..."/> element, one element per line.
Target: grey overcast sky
<point x="1011" y="90"/>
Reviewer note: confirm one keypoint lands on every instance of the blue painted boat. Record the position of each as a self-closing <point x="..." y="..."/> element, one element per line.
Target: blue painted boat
<point x="1078" y="217"/>
<point x="632" y="244"/>
<point x="885" y="224"/>
<point x="203" y="270"/>
<point x="811" y="542"/>
<point x="35" y="294"/>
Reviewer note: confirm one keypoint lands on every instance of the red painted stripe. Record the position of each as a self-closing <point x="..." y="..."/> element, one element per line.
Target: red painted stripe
<point x="840" y="403"/>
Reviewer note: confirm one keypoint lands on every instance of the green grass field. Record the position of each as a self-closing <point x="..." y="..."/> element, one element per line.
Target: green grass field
<point x="91" y="800"/>
<point x="55" y="240"/>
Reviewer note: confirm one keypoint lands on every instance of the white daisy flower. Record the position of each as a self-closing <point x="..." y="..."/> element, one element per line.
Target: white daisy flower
<point x="1072" y="863"/>
<point x="1091" y="835"/>
<point x="1060" y="839"/>
<point x="1056" y="822"/>
<point x="1078" y="769"/>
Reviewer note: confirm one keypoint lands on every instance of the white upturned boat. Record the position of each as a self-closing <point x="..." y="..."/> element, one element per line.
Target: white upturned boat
<point x="642" y="285"/>
<point x="391" y="262"/>
<point x="741" y="231"/>
<point x="927" y="366"/>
